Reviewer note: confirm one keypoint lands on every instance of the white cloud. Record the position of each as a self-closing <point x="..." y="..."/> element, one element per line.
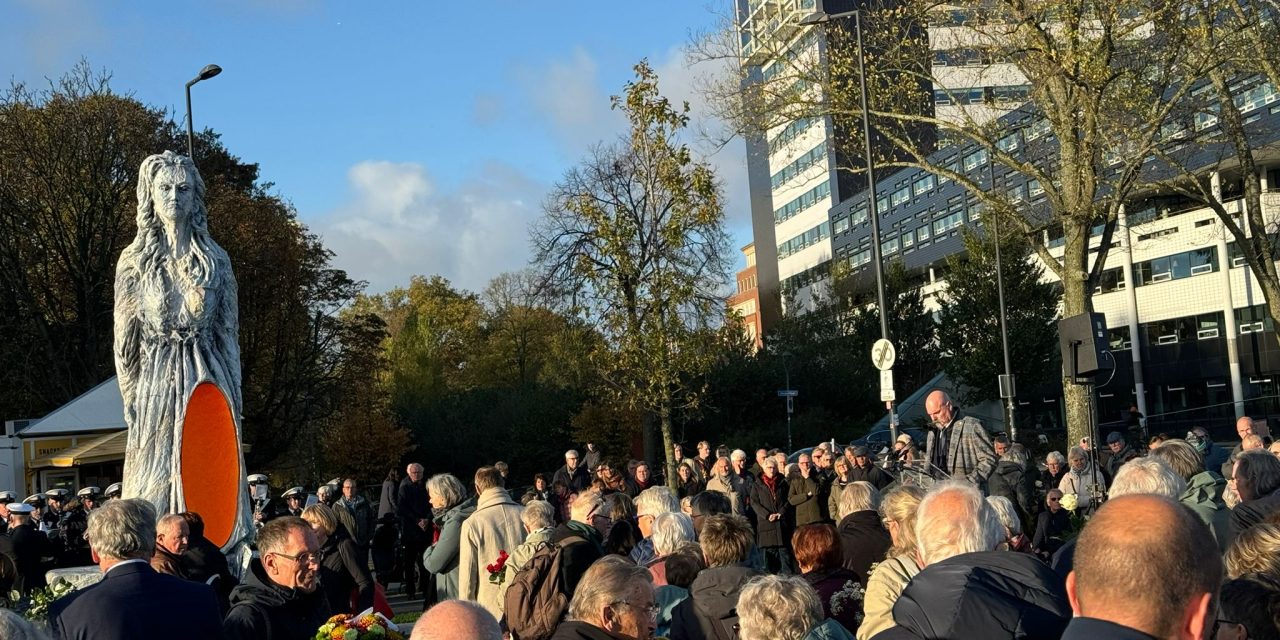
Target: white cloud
<point x="568" y="94"/>
<point x="398" y="223"/>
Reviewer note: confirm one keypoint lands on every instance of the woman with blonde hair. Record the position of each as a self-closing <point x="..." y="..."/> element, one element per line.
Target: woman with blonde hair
<point x="1255" y="550"/>
<point x="342" y="567"/>
<point x="890" y="577"/>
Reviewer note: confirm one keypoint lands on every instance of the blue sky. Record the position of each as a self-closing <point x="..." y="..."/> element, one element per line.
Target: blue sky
<point x="417" y="138"/>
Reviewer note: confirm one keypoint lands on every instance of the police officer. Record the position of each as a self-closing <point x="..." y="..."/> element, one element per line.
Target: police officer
<point x="25" y="548"/>
<point x="112" y="492"/>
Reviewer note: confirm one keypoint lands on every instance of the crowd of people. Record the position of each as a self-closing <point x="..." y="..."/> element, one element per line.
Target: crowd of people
<point x="839" y="543"/>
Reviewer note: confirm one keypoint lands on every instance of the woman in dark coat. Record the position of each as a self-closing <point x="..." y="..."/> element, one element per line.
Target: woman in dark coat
<point x="819" y="557"/>
<point x="342" y="571"/>
<point x="863" y="537"/>
<point x="689" y="484"/>
<point x="769" y="502"/>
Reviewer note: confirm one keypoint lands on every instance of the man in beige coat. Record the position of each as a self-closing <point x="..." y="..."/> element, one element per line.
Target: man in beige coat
<point x="495" y="527"/>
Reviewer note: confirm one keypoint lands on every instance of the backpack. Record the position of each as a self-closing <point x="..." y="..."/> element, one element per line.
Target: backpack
<point x="536" y="601"/>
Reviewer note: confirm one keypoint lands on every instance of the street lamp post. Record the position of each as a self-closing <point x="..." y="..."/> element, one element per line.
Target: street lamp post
<point x="209" y="71"/>
<point x="1004" y="382"/>
<point x="822" y="17"/>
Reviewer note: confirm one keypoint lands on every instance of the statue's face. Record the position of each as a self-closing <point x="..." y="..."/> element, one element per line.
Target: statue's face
<point x="172" y="194"/>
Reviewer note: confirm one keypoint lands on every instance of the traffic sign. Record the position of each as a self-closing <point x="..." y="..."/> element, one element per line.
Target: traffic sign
<point x="788" y="393"/>
<point x="887" y="395"/>
<point x="883" y="354"/>
<point x="886" y="386"/>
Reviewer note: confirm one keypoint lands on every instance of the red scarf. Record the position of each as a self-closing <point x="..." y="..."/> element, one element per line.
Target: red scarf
<point x="771" y="482"/>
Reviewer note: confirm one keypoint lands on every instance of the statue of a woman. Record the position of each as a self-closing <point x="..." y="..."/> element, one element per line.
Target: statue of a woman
<point x="176" y="329"/>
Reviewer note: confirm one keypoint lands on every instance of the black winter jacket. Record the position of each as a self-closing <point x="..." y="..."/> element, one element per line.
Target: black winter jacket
<point x="766" y="503"/>
<point x="264" y="610"/>
<point x="711" y="608"/>
<point x="344" y="570"/>
<point x="1010" y="480"/>
<point x="993" y="595"/>
<point x="863" y="541"/>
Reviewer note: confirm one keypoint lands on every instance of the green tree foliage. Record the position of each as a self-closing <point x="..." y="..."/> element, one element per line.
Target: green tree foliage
<point x="478" y="377"/>
<point x="633" y="240"/>
<point x="969" y="323"/>
<point x="69" y="158"/>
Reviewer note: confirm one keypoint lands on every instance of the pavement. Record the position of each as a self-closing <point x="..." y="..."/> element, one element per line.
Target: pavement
<point x="400" y="603"/>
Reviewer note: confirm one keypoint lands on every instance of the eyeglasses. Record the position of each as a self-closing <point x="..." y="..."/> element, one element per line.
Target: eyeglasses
<point x="1219" y="622"/>
<point x="651" y="609"/>
<point x="303" y="558"/>
<point x="1055" y="499"/>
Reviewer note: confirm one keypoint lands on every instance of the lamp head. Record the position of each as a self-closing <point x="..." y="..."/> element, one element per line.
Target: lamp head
<point x="209" y="71"/>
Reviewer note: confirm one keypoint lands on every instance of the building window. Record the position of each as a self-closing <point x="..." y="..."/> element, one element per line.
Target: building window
<point x="900" y="196"/>
<point x="922" y="185"/>
<point x="1176" y="267"/>
<point x="840" y="225"/>
<point x="975" y="159"/>
<point x="806" y="200"/>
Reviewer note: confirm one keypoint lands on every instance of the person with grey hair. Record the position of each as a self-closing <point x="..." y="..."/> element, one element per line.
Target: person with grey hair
<point x="539" y="520"/>
<point x="413" y="508"/>
<point x="1083" y="479"/>
<point x="1055" y="467"/>
<point x="1255" y="475"/>
<point x="450" y="507"/>
<point x="1147" y="475"/>
<point x="614" y="600"/>
<point x="670" y="531"/>
<point x="456" y="620"/>
<point x="581" y="541"/>
<point x="650" y="504"/>
<point x="958" y="533"/>
<point x="863" y="538"/>
<point x="1008" y="514"/>
<point x="133" y="600"/>
<point x="725" y="481"/>
<point x="769" y="502"/>
<point x="1010" y="480"/>
<point x="573" y="475"/>
<point x="1204" y="487"/>
<point x="784" y="608"/>
<point x="173" y="536"/>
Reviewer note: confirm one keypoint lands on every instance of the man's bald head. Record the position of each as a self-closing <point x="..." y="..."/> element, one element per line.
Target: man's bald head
<point x="1148" y="563"/>
<point x="938" y="406"/>
<point x="456" y="620"/>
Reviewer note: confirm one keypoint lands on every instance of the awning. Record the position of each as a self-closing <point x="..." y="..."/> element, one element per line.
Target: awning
<point x="103" y="448"/>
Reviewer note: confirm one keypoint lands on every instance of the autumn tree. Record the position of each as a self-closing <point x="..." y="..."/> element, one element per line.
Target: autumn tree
<point x="633" y="241"/>
<point x="969" y="318"/>
<point x="1102" y="79"/>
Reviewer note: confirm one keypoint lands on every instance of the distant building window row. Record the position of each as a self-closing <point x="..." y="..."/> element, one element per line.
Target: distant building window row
<point x="966" y="57"/>
<point x="1176" y="266"/>
<point x="807" y="277"/>
<point x="790" y="132"/>
<point x="800" y="242"/>
<point x="806" y="200"/>
<point x="797" y="166"/>
<point x="787" y="59"/>
<point x="982" y="95"/>
<point x="1205" y="326"/>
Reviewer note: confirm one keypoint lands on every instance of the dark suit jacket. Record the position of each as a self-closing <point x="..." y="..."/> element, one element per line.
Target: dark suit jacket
<point x="133" y="602"/>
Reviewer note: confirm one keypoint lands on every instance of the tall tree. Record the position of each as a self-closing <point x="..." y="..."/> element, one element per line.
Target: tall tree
<point x="969" y="320"/>
<point x="1102" y="80"/>
<point x="633" y="240"/>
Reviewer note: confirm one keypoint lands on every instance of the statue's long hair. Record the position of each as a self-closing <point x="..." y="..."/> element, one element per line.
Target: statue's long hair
<point x="193" y="272"/>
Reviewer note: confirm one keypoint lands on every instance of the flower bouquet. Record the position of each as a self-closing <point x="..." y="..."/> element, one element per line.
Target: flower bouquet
<point x="35" y="605"/>
<point x="367" y="625"/>
<point x="498" y="570"/>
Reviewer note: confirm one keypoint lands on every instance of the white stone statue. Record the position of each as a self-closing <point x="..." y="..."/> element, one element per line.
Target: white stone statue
<point x="176" y="327"/>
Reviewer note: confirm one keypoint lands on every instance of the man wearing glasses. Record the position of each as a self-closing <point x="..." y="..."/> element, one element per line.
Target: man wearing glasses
<point x="572" y="474"/>
<point x="615" y="602"/>
<point x="279" y="599"/>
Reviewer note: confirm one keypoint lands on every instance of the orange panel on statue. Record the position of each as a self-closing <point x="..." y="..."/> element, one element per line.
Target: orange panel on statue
<point x="211" y="462"/>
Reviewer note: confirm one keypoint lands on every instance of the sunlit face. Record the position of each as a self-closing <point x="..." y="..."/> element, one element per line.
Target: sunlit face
<point x="1054" y="501"/>
<point x="642" y="473"/>
<point x="437" y="500"/>
<point x="804" y="463"/>
<point x="704" y="449"/>
<point x="721" y="467"/>
<point x="940" y="412"/>
<point x="571" y="461"/>
<point x="780" y="459"/>
<point x="415" y="472"/>
<point x="294" y="501"/>
<point x="770" y="468"/>
<point x="298" y="564"/>
<point x="761" y="454"/>
<point x="540" y="484"/>
<point x="684" y="472"/>
<point x="1244" y="427"/>
<point x="633" y="617"/>
<point x="172" y="194"/>
<point x="1001" y="448"/>
<point x="349" y="489"/>
<point x="175" y="537"/>
<point x="1053" y="467"/>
